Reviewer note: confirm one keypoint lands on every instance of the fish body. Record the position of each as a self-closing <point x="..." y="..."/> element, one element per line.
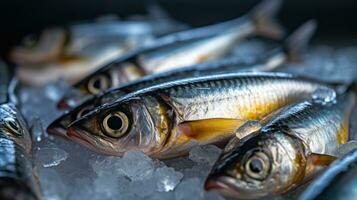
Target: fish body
<point x="16" y="176"/>
<point x="77" y="51"/>
<point x="178" y="115"/>
<point x="182" y="49"/>
<point x="277" y="58"/>
<point x="291" y="146"/>
<point x="339" y="181"/>
<point x="268" y="62"/>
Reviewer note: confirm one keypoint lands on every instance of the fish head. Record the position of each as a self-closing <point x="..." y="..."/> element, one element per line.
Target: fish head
<point x="59" y="126"/>
<point x="92" y="85"/>
<point x="138" y="123"/>
<point x="262" y="164"/>
<point x="13" y="126"/>
<point x="46" y="47"/>
<point x="100" y="82"/>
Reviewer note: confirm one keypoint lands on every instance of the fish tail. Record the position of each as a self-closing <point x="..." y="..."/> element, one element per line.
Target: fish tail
<point x="299" y="40"/>
<point x="156" y="11"/>
<point x="264" y="15"/>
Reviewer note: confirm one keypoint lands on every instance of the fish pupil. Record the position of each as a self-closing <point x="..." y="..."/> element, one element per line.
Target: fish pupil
<point x="114" y="123"/>
<point x="256" y="166"/>
<point x="97" y="84"/>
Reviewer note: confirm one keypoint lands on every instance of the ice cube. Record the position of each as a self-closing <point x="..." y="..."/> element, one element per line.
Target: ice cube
<point x="213" y="196"/>
<point x="52" y="184"/>
<point x="50" y="157"/>
<point x="205" y="154"/>
<point x="55" y="90"/>
<point x="167" y="179"/>
<point x="136" y="165"/>
<point x="142" y="188"/>
<point x="180" y="163"/>
<point x="161" y="196"/>
<point x="108" y="186"/>
<point x="189" y="189"/>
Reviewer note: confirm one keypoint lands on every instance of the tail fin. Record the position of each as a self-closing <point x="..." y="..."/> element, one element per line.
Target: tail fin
<point x="299" y="40"/>
<point x="264" y="16"/>
<point x="156" y="11"/>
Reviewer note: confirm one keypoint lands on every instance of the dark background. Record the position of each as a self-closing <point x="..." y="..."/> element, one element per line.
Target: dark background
<point x="337" y="19"/>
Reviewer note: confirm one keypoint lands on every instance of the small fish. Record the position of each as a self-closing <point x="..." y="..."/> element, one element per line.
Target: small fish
<point x="72" y="54"/>
<point x="168" y="119"/>
<point x="277" y="57"/>
<point x="17" y="180"/>
<point x="84" y="39"/>
<point x="183" y="49"/>
<point x="338" y="182"/>
<point x="284" y="149"/>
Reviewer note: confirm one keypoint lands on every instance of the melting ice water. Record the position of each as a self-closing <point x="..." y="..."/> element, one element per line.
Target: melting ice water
<point x="69" y="171"/>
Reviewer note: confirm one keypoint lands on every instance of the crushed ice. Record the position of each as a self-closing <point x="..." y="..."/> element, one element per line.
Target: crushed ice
<point x="69" y="171"/>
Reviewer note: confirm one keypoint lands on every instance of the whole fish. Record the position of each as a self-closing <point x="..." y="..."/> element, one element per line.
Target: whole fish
<point x="16" y="176"/>
<point x="168" y="119"/>
<point x="338" y="182"/>
<point x="84" y="39"/>
<point x="74" y="53"/>
<point x="277" y="57"/>
<point x="285" y="149"/>
<point x="182" y="50"/>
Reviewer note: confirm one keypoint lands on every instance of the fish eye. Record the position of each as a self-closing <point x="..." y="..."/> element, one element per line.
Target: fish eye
<point x="115" y="124"/>
<point x="257" y="166"/>
<point x="98" y="84"/>
<point x="13" y="126"/>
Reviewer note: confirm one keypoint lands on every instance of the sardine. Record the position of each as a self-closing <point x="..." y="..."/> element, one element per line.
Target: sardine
<point x="72" y="54"/>
<point x="277" y="57"/>
<point x="183" y="49"/>
<point x="284" y="149"/>
<point x="17" y="180"/>
<point x="168" y="119"/>
<point x="338" y="182"/>
<point x="84" y="39"/>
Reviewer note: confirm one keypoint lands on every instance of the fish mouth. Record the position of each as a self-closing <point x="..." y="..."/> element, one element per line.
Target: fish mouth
<point x="75" y="135"/>
<point x="57" y="130"/>
<point x="58" y="127"/>
<point x="225" y="186"/>
<point x="219" y="183"/>
<point x="79" y="136"/>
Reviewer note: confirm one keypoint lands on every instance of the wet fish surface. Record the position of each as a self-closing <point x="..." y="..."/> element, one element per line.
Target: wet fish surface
<point x="183" y="49"/>
<point x="272" y="60"/>
<point x="17" y="181"/>
<point x="178" y="115"/>
<point x="284" y="149"/>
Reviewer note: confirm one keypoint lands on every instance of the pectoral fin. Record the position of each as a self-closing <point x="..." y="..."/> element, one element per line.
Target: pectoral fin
<point x="210" y="129"/>
<point x="316" y="162"/>
<point x="321" y="159"/>
<point x="248" y="128"/>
